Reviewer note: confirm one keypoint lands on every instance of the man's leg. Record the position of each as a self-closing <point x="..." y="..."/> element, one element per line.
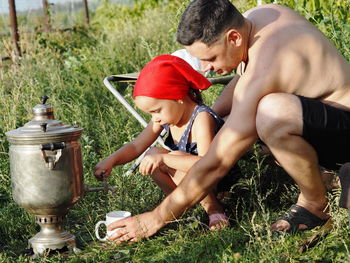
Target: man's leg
<point x="279" y="125"/>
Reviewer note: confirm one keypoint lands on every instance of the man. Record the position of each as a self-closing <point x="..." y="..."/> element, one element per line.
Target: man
<point x="292" y="92"/>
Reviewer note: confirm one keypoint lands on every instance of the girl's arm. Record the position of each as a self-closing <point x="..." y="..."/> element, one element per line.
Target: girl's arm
<point x="129" y="151"/>
<point x="203" y="133"/>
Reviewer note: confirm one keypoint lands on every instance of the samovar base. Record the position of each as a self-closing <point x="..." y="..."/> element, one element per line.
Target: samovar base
<point x="41" y="243"/>
<point x="51" y="236"/>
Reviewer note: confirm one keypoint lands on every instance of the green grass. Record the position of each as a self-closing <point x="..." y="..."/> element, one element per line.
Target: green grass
<point x="69" y="67"/>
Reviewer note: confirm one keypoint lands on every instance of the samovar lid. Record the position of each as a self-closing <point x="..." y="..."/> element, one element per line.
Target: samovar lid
<point x="43" y="128"/>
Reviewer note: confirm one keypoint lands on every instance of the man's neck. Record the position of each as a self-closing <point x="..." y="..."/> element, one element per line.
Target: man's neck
<point x="247" y="31"/>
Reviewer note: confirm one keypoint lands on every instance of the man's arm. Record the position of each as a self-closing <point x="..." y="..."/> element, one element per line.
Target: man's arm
<point x="232" y="141"/>
<point x="223" y="103"/>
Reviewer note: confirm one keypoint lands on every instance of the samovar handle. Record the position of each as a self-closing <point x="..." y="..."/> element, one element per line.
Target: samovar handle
<point x="52" y="146"/>
<point x="55" y="154"/>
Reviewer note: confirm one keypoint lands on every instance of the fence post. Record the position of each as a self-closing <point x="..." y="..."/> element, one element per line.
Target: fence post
<point x="47" y="16"/>
<point x="86" y="11"/>
<point x="14" y="27"/>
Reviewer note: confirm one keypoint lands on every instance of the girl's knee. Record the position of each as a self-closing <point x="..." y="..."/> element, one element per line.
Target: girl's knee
<point x="156" y="150"/>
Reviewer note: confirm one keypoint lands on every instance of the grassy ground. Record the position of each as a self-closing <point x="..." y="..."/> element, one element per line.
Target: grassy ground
<point x="69" y="67"/>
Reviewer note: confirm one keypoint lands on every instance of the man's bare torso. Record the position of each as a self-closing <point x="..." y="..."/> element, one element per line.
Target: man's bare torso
<point x="299" y="59"/>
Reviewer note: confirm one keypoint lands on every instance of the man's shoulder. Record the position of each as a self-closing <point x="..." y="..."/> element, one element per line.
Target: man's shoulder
<point x="276" y="38"/>
<point x="257" y="10"/>
<point x="273" y="17"/>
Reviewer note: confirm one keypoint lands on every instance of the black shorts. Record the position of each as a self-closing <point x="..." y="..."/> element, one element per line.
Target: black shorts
<point x="327" y="129"/>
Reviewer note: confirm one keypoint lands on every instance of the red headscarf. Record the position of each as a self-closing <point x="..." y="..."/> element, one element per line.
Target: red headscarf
<point x="168" y="77"/>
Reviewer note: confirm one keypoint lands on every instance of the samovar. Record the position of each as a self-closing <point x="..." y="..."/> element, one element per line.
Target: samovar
<point x="46" y="175"/>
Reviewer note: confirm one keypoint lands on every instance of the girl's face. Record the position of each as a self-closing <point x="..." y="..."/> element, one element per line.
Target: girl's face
<point x="162" y="111"/>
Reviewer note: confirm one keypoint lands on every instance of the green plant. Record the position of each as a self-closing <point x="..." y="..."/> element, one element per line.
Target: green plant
<point x="69" y="67"/>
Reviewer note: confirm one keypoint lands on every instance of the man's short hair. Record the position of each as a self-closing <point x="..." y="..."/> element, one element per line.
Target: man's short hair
<point x="207" y="20"/>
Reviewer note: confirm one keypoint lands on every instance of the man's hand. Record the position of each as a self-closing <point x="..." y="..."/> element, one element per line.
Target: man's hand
<point x="132" y="229"/>
<point x="150" y="163"/>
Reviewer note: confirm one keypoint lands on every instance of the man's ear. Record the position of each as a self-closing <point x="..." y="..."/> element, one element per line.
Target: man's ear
<point x="234" y="37"/>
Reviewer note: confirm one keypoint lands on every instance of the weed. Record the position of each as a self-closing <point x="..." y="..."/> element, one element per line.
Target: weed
<point x="69" y="67"/>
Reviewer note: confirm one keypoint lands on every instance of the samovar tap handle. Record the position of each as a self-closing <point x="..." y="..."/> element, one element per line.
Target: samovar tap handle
<point x="104" y="182"/>
<point x="105" y="187"/>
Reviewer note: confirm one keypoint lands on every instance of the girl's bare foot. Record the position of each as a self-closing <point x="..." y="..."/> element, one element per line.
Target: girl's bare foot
<point x="218" y="221"/>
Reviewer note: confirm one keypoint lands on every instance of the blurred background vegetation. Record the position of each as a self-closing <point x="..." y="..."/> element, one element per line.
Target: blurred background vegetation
<point x="69" y="67"/>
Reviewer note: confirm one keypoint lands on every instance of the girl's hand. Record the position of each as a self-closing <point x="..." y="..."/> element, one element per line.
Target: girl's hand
<point x="103" y="168"/>
<point x="150" y="163"/>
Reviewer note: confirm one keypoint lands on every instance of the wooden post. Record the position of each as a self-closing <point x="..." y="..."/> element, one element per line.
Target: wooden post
<point x="14" y="27"/>
<point x="47" y="16"/>
<point x="86" y="11"/>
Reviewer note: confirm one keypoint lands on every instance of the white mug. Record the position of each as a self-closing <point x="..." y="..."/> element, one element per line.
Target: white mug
<point x="110" y="218"/>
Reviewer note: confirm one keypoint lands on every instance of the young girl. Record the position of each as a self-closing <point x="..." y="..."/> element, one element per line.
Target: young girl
<point x="168" y="89"/>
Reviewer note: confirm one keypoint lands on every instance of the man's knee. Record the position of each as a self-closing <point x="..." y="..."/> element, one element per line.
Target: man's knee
<point x="278" y="114"/>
